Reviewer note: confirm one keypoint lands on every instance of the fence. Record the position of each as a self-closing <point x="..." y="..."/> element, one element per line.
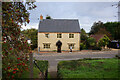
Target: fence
<point x="43" y="74"/>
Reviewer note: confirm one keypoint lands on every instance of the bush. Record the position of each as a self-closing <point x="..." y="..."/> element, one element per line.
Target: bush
<point x="82" y="46"/>
<point x="117" y="56"/>
<point x="97" y="48"/>
<point x="103" y="41"/>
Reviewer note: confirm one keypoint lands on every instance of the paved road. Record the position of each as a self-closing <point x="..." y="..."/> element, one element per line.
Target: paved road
<point x="54" y="58"/>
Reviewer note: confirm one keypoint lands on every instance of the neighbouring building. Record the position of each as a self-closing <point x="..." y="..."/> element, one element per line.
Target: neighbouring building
<point x="58" y="34"/>
<point x="97" y="37"/>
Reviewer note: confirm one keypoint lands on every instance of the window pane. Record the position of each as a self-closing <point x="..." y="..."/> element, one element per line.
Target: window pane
<point x="47" y="35"/>
<point x="59" y="35"/>
<point x="71" y="35"/>
<point x="46" y="45"/>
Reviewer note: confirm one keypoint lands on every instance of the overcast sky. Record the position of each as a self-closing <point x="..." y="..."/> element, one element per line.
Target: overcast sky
<point x="86" y="12"/>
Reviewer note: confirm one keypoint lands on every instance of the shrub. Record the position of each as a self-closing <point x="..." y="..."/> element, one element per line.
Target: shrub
<point x="97" y="48"/>
<point x="117" y="56"/>
<point x="103" y="41"/>
<point x="82" y="46"/>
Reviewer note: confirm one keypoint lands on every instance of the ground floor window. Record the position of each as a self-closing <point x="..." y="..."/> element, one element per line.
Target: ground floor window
<point x="46" y="46"/>
<point x="71" y="45"/>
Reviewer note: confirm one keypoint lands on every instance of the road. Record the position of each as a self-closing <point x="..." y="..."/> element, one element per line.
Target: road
<point x="54" y="58"/>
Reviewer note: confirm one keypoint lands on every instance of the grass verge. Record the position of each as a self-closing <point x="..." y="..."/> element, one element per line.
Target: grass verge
<point x="89" y="68"/>
<point x="43" y="67"/>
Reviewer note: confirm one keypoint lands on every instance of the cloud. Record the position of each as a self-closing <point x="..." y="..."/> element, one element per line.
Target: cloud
<point x="86" y="12"/>
<point x="29" y="26"/>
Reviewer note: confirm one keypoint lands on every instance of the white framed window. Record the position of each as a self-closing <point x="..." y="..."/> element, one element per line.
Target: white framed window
<point x="47" y="35"/>
<point x="71" y="35"/>
<point x="46" y="45"/>
<point x="71" y="45"/>
<point x="59" y="35"/>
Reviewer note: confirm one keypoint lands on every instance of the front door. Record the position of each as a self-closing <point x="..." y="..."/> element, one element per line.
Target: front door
<point x="59" y="44"/>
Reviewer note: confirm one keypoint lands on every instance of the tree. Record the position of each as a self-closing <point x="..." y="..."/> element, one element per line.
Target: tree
<point x="103" y="41"/>
<point x="96" y="26"/>
<point x="84" y="38"/>
<point x="91" y="42"/>
<point x="83" y="35"/>
<point x="32" y="35"/>
<point x="113" y="28"/>
<point x="15" y="48"/>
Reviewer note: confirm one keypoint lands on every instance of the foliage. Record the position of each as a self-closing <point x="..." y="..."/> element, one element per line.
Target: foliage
<point x="43" y="65"/>
<point x="103" y="41"/>
<point x="83" y="35"/>
<point x="89" y="68"/>
<point x="84" y="38"/>
<point x="82" y="46"/>
<point x="32" y="35"/>
<point x="26" y="74"/>
<point x="96" y="26"/>
<point x="97" y="48"/>
<point x="36" y="72"/>
<point x="111" y="29"/>
<point x="15" y="49"/>
<point x="90" y="43"/>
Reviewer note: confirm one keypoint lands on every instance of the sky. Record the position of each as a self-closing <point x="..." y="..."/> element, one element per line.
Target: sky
<point x="86" y="12"/>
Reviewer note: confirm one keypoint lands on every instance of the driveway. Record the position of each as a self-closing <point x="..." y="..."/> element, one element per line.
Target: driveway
<point x="54" y="58"/>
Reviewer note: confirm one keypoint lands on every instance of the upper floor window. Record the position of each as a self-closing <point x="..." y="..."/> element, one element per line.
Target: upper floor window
<point x="71" y="35"/>
<point x="47" y="35"/>
<point x="46" y="45"/>
<point x="59" y="35"/>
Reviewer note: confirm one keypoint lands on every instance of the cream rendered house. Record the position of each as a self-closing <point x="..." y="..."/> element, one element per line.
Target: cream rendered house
<point x="58" y="34"/>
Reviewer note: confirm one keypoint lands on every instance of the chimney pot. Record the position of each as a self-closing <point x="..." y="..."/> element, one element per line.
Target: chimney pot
<point x="41" y="17"/>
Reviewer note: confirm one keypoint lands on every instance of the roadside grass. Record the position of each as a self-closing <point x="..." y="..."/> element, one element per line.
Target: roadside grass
<point x="43" y="65"/>
<point x="89" y="68"/>
<point x="26" y="74"/>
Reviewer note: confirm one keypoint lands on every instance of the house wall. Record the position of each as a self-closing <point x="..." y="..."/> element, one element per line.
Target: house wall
<point x="53" y="39"/>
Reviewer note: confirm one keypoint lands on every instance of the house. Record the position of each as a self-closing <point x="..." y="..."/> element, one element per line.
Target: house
<point x="97" y="37"/>
<point x="58" y="34"/>
<point x="106" y="39"/>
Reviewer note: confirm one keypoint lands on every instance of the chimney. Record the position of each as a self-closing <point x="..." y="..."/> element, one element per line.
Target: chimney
<point x="41" y="17"/>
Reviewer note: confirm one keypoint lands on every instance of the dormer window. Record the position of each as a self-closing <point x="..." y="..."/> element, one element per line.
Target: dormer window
<point x="47" y="35"/>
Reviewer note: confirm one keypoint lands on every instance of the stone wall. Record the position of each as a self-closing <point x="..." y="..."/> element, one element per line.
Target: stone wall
<point x="53" y="39"/>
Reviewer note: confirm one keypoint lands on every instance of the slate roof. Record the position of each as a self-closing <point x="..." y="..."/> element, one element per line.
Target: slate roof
<point x="59" y="25"/>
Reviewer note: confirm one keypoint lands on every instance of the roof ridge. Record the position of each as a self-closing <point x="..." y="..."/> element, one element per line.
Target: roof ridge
<point x="60" y="19"/>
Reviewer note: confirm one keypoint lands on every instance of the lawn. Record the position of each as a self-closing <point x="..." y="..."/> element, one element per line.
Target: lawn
<point x="43" y="65"/>
<point x="88" y="68"/>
